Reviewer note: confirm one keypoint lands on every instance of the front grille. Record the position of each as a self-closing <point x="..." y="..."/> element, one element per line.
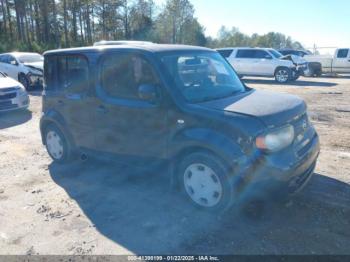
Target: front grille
<point x="7" y="105"/>
<point x="9" y="89"/>
<point x="7" y="96"/>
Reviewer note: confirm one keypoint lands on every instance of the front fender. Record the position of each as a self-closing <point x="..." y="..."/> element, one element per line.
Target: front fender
<point x="227" y="148"/>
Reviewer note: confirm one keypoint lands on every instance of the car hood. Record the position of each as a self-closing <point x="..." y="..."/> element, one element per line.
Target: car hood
<point x="8" y="82"/>
<point x="36" y="65"/>
<point x="273" y="109"/>
<point x="297" y="60"/>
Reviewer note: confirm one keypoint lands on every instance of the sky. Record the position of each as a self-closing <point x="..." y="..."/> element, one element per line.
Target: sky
<point x="325" y="23"/>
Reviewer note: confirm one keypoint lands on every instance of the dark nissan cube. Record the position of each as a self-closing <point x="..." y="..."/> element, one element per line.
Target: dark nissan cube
<point x="180" y="105"/>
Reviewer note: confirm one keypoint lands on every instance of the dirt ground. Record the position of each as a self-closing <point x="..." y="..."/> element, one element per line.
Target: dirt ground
<point x="93" y="207"/>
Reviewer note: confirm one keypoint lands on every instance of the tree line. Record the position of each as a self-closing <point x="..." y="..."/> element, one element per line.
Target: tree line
<point x="39" y="25"/>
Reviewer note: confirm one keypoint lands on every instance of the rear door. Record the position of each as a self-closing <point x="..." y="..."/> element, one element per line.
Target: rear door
<point x="74" y="97"/>
<point x="341" y="62"/>
<point x="243" y="62"/>
<point x="125" y="124"/>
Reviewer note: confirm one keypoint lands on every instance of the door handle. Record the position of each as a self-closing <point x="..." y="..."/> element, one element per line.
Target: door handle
<point x="102" y="109"/>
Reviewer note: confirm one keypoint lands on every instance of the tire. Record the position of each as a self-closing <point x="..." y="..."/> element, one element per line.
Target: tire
<point x="57" y="145"/>
<point x="23" y="79"/>
<point x="204" y="181"/>
<point x="282" y="75"/>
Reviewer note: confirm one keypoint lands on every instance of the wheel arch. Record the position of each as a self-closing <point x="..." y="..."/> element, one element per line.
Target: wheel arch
<point x="54" y="118"/>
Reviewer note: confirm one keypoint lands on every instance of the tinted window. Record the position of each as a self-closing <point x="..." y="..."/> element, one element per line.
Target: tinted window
<point x="260" y="54"/>
<point x="73" y="73"/>
<point x="122" y="74"/>
<point x="3" y="59"/>
<point x="225" y="53"/>
<point x="11" y="60"/>
<point x="245" y="53"/>
<point x="343" y="53"/>
<point x="49" y="72"/>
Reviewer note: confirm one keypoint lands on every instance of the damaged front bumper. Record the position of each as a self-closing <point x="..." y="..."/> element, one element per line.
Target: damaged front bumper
<point x="286" y="172"/>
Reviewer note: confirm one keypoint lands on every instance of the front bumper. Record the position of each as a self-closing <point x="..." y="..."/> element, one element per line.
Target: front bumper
<point x="14" y="101"/>
<point x="286" y="172"/>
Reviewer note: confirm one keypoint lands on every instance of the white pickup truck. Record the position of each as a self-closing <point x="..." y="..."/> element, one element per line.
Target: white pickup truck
<point x="339" y="63"/>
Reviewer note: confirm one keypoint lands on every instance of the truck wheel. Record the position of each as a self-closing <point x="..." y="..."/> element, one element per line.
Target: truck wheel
<point x="23" y="79"/>
<point x="204" y="181"/>
<point x="57" y="145"/>
<point x="282" y="75"/>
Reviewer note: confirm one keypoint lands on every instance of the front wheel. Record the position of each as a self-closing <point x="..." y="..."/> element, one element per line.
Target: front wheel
<point x="23" y="79"/>
<point x="57" y="145"/>
<point x="283" y="75"/>
<point x="204" y="180"/>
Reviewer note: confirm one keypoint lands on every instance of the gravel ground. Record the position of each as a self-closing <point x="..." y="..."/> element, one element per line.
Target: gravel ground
<point x="94" y="207"/>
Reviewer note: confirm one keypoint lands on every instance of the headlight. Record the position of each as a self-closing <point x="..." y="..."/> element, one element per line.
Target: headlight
<point x="276" y="140"/>
<point x="21" y="91"/>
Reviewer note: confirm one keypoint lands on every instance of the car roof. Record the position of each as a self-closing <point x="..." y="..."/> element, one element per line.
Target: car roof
<point x="122" y="42"/>
<point x="17" y="54"/>
<point x="154" y="48"/>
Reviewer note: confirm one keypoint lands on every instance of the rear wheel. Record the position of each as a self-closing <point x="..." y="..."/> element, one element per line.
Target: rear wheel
<point x="204" y="180"/>
<point x="57" y="145"/>
<point x="282" y="75"/>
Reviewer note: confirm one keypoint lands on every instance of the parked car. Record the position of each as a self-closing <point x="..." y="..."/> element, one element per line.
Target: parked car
<point x="27" y="68"/>
<point x="311" y="68"/>
<point x="265" y="62"/>
<point x="12" y="94"/>
<point x="180" y="105"/>
<point x="339" y="63"/>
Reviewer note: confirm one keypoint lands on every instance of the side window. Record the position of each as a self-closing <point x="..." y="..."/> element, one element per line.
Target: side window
<point x="11" y="60"/>
<point x="122" y="74"/>
<point x="342" y="53"/>
<point x="4" y="59"/>
<point x="49" y="72"/>
<point x="245" y="53"/>
<point x="225" y="53"/>
<point x="73" y="73"/>
<point x="261" y="54"/>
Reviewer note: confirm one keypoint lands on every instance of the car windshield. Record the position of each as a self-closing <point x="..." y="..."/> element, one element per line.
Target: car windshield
<point x="202" y="76"/>
<point x="275" y="53"/>
<point x="32" y="58"/>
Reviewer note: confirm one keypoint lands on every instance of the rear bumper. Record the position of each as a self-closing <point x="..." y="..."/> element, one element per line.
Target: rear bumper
<point x="285" y="173"/>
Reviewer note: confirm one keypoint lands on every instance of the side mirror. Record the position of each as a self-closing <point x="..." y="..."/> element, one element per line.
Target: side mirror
<point x="147" y="92"/>
<point x="13" y="62"/>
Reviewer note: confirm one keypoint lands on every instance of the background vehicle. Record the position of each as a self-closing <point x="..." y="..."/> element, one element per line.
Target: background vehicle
<point x="27" y="68"/>
<point x="265" y="62"/>
<point x="301" y="53"/>
<point x="181" y="105"/>
<point x="12" y="94"/>
<point x="311" y="68"/>
<point x="339" y="63"/>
